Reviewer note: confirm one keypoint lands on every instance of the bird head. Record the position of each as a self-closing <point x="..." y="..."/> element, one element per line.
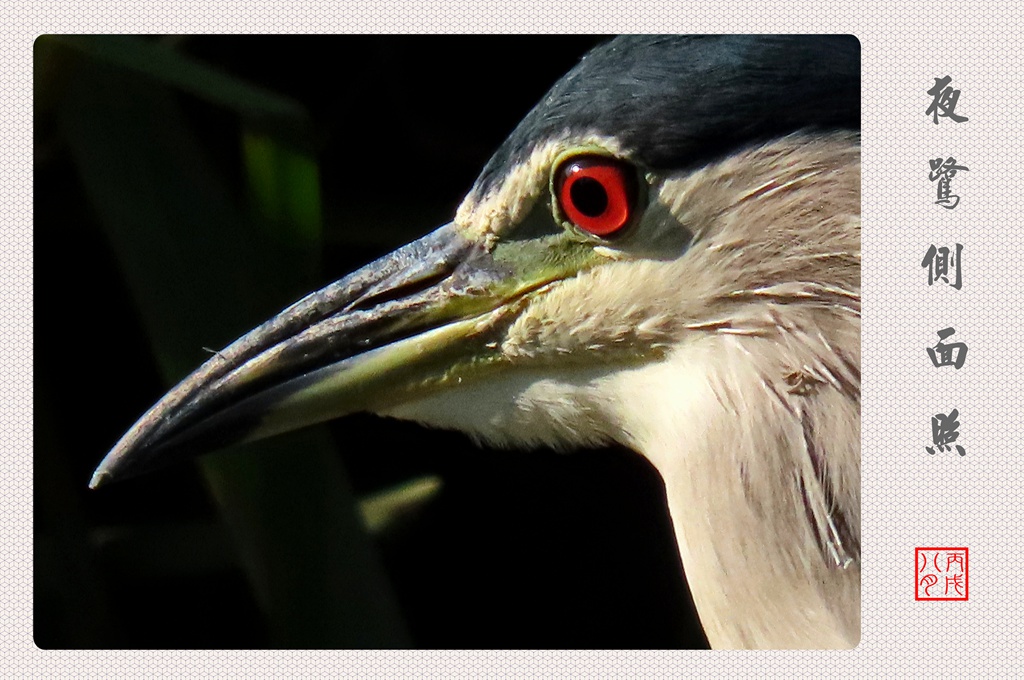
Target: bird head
<point x="666" y="190"/>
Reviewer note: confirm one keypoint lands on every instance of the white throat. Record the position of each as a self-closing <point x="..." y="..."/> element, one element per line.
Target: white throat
<point x="764" y="543"/>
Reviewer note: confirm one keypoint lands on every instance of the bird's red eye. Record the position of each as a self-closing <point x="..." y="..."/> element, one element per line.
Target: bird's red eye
<point x="597" y="193"/>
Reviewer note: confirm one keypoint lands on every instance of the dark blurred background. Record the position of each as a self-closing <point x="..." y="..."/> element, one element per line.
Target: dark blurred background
<point x="186" y="188"/>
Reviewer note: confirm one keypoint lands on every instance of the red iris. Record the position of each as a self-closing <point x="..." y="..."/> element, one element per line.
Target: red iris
<point x="597" y="193"/>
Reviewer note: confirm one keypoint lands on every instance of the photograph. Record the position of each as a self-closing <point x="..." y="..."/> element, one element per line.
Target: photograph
<point x="447" y="342"/>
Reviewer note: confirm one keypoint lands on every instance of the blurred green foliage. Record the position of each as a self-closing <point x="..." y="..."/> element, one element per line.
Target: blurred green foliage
<point x="155" y="192"/>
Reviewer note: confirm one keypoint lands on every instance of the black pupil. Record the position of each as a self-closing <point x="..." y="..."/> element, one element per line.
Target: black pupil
<point x="589" y="196"/>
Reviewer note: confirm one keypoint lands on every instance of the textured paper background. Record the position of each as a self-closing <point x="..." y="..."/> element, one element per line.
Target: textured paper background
<point x="909" y="498"/>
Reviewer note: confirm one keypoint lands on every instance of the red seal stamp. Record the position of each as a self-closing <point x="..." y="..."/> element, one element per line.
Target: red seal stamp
<point x="940" y="574"/>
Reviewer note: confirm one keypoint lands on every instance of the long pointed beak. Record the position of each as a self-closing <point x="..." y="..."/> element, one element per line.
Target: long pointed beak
<point x="378" y="335"/>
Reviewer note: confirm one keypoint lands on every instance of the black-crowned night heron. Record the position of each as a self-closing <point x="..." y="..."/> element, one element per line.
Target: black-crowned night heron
<point x="665" y="253"/>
